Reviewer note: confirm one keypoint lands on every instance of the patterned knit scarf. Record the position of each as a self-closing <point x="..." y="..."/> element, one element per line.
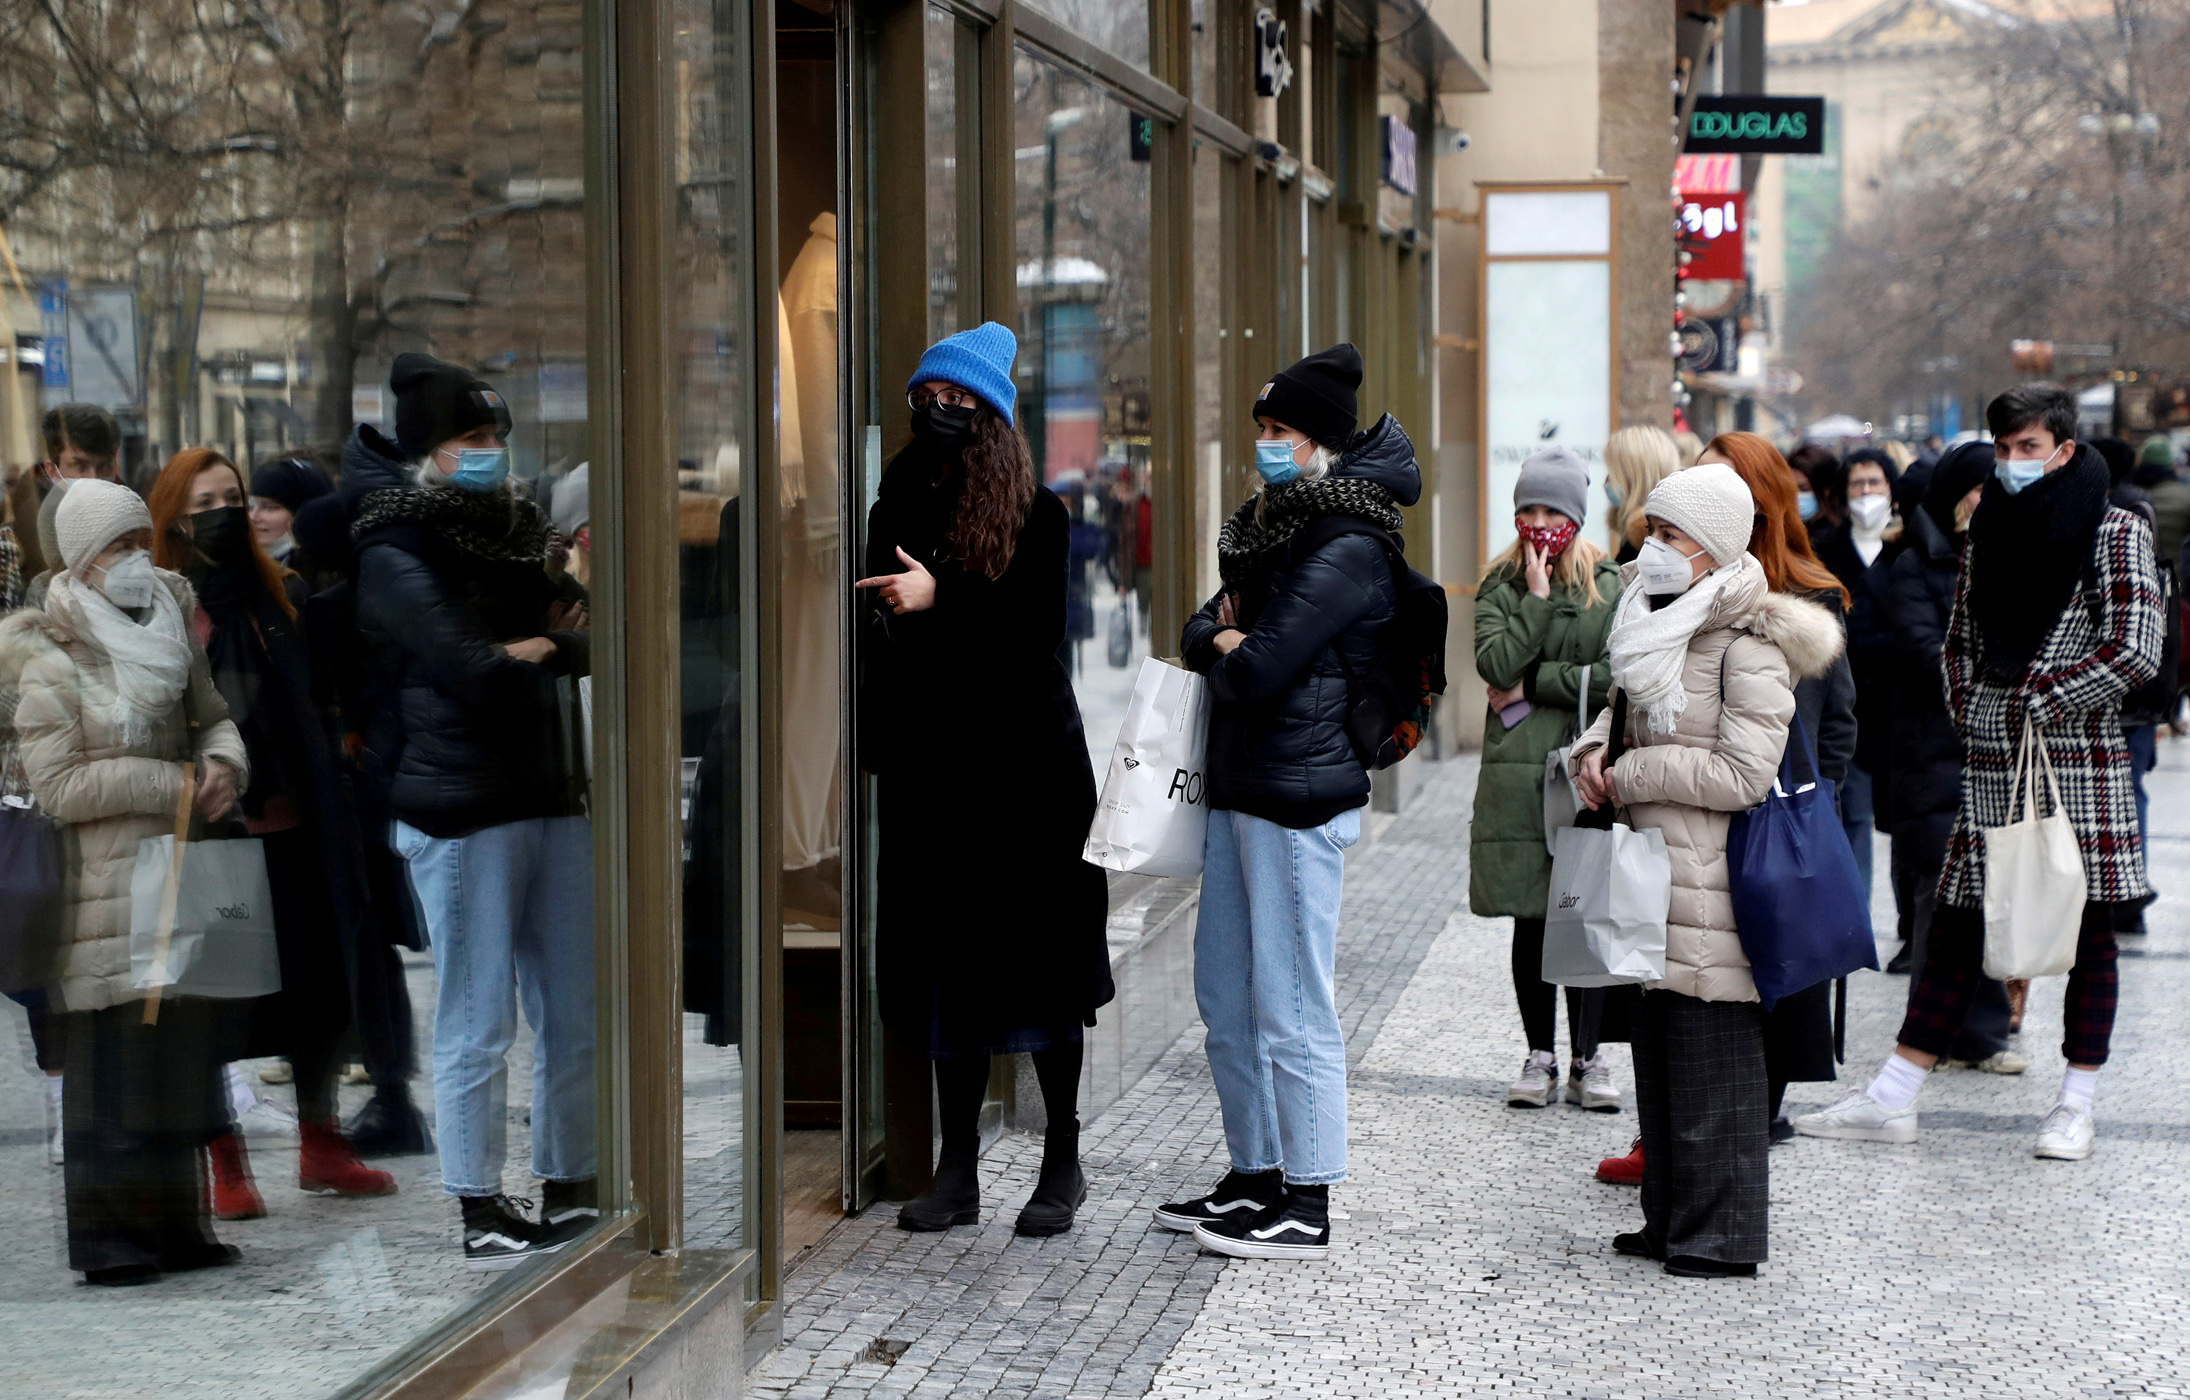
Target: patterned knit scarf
<point x="494" y="525"/>
<point x="1250" y="540"/>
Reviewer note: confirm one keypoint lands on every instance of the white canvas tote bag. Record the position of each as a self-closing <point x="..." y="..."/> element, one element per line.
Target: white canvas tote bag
<point x="2034" y="877"/>
<point x="1154" y="811"/>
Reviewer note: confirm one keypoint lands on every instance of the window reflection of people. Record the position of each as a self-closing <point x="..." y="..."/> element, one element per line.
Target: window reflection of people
<point x="247" y="621"/>
<point x="115" y="695"/>
<point x="470" y="635"/>
<point x="279" y="489"/>
<point x="968" y="717"/>
<point x="83" y="442"/>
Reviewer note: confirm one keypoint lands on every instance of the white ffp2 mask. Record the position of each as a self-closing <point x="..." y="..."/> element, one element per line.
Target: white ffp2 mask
<point x="129" y="580"/>
<point x="1663" y="569"/>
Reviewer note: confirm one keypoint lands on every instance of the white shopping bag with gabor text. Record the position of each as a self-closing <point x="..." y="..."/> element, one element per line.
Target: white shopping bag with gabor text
<point x="1154" y="810"/>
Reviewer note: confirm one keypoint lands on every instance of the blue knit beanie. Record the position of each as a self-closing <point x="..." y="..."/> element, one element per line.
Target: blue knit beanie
<point x="980" y="360"/>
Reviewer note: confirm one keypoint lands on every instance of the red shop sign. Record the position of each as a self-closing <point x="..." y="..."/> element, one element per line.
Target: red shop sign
<point x="1711" y="232"/>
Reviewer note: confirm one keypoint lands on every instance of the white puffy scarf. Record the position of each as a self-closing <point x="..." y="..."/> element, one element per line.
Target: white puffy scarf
<point x="148" y="663"/>
<point x="1649" y="648"/>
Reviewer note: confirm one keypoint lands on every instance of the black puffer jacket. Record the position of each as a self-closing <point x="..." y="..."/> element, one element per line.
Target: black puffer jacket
<point x="476" y="737"/>
<point x="1277" y="729"/>
<point x="1925" y="751"/>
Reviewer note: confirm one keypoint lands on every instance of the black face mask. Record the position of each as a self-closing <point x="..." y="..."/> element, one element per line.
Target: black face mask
<point x="944" y="426"/>
<point x="222" y="535"/>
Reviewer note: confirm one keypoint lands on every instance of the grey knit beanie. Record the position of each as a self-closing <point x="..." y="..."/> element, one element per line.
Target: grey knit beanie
<point x="1555" y="477"/>
<point x="92" y="516"/>
<point x="1712" y="506"/>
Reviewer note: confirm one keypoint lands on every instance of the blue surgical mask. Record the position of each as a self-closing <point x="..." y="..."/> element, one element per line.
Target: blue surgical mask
<point x="1612" y="497"/>
<point x="2016" y="474"/>
<point x="480" y="469"/>
<point x="1274" y="460"/>
<point x="1806" y="504"/>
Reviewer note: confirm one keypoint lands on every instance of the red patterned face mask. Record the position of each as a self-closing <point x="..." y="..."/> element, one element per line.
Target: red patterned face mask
<point x="1551" y="540"/>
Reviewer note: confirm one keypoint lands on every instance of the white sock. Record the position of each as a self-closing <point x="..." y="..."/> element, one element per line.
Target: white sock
<point x="1899" y="1082"/>
<point x="240" y="1094"/>
<point x="2079" y="1087"/>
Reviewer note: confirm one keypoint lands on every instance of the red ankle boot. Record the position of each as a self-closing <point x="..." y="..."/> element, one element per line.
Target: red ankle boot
<point x="327" y="1167"/>
<point x="235" y="1194"/>
<point x="1623" y="1171"/>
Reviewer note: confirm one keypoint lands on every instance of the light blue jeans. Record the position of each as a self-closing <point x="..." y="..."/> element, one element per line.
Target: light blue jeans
<point x="509" y="910"/>
<point x="1264" y="945"/>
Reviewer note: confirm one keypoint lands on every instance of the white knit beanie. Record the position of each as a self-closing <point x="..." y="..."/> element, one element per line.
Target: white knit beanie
<point x="1712" y="506"/>
<point x="92" y="516"/>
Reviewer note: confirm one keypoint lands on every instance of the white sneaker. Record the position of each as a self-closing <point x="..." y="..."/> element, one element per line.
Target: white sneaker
<point x="1861" y="1118"/>
<point x="2067" y="1133"/>
<point x="2002" y="1062"/>
<point x="1589" y="1083"/>
<point x="264" y="1119"/>
<point x="1539" y="1080"/>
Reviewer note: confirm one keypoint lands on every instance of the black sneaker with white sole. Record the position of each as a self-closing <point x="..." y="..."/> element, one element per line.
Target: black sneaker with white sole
<point x="569" y="1207"/>
<point x="498" y="1235"/>
<point x="1297" y="1227"/>
<point x="1240" y="1194"/>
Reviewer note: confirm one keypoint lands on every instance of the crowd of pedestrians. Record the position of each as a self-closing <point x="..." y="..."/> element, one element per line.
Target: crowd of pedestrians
<point x="1891" y="627"/>
<point x="330" y="697"/>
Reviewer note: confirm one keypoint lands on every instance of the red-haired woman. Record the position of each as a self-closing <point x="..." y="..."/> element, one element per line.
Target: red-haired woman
<point x="246" y="620"/>
<point x="1798" y="1037"/>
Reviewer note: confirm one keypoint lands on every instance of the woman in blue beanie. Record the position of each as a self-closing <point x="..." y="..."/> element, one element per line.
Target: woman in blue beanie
<point x="961" y="662"/>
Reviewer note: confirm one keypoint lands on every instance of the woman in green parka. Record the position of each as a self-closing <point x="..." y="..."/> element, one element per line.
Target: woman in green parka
<point x="1541" y="618"/>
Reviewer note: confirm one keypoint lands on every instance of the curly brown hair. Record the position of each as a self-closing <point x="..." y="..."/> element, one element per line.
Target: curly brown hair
<point x="997" y="494"/>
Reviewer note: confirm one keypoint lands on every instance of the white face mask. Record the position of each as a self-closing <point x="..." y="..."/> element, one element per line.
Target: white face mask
<point x="129" y="580"/>
<point x="1870" y="512"/>
<point x="1662" y="569"/>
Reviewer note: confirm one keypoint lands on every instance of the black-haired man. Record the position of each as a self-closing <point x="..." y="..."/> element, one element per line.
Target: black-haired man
<point x="2056" y="618"/>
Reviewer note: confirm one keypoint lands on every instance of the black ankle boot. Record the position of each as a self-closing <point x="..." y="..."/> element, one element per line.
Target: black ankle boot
<point x="389" y="1125"/>
<point x="953" y="1198"/>
<point x="1060" y="1189"/>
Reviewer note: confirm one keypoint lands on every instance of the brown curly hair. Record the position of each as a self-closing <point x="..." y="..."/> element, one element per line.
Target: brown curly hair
<point x="997" y="494"/>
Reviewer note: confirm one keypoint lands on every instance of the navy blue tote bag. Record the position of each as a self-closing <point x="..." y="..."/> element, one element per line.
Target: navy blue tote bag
<point x="1798" y="902"/>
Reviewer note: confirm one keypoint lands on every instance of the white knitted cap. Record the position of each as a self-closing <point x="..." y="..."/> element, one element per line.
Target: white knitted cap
<point x="1712" y="506"/>
<point x="92" y="516"/>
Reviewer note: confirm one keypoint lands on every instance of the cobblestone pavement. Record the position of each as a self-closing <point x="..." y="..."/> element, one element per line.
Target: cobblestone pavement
<point x="1472" y="1253"/>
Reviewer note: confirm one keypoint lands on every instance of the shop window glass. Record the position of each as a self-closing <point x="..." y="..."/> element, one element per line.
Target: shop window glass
<point x="1083" y="277"/>
<point x="1203" y="44"/>
<point x="940" y="45"/>
<point x="1119" y="27"/>
<point x="715" y="435"/>
<point x="1213" y="486"/>
<point x="226" y="269"/>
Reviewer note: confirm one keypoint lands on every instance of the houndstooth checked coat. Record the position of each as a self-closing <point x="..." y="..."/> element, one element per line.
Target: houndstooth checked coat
<point x="2105" y="643"/>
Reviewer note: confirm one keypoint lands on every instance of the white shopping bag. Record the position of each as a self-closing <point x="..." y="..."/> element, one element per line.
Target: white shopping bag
<point x="205" y="928"/>
<point x="1154" y="810"/>
<point x="1605" y="920"/>
<point x="2034" y="878"/>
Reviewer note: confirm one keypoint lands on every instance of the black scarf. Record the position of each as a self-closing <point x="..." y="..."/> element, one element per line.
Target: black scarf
<point x="493" y="525"/>
<point x="2031" y="548"/>
<point x="1251" y="540"/>
<point x="247" y="626"/>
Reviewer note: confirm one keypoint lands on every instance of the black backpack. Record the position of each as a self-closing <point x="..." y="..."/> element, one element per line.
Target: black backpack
<point x="1388" y="706"/>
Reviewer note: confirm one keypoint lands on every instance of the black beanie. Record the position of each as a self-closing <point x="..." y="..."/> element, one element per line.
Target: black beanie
<point x="1316" y="395"/>
<point x="291" y="481"/>
<point x="436" y="401"/>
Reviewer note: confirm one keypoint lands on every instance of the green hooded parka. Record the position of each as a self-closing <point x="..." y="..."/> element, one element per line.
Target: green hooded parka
<point x="1542" y="643"/>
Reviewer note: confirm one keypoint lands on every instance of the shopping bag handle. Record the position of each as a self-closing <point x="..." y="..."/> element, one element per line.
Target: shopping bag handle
<point x="164" y="934"/>
<point x="1600" y="818"/>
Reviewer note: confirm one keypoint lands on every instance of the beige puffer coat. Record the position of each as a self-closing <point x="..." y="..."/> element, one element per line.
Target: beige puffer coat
<point x="109" y="794"/>
<point x="1717" y="761"/>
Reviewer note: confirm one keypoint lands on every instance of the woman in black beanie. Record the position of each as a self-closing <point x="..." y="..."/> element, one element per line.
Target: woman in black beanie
<point x="1310" y="567"/>
<point x="279" y="489"/>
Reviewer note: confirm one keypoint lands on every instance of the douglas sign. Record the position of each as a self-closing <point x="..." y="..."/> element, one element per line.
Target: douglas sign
<point x="1757" y="126"/>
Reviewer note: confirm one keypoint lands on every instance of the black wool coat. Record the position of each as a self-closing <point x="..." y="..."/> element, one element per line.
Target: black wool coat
<point x="1924" y="750"/>
<point x="987" y="918"/>
<point x="1870" y="641"/>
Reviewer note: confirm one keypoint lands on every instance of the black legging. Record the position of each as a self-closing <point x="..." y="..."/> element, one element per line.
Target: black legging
<point x="961" y="1083"/>
<point x="1539" y="1002"/>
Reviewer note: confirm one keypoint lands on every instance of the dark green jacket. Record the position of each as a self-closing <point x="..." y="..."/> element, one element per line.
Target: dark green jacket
<point x="1542" y="644"/>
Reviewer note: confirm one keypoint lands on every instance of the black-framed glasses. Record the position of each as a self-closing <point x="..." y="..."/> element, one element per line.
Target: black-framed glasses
<point x="952" y="397"/>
